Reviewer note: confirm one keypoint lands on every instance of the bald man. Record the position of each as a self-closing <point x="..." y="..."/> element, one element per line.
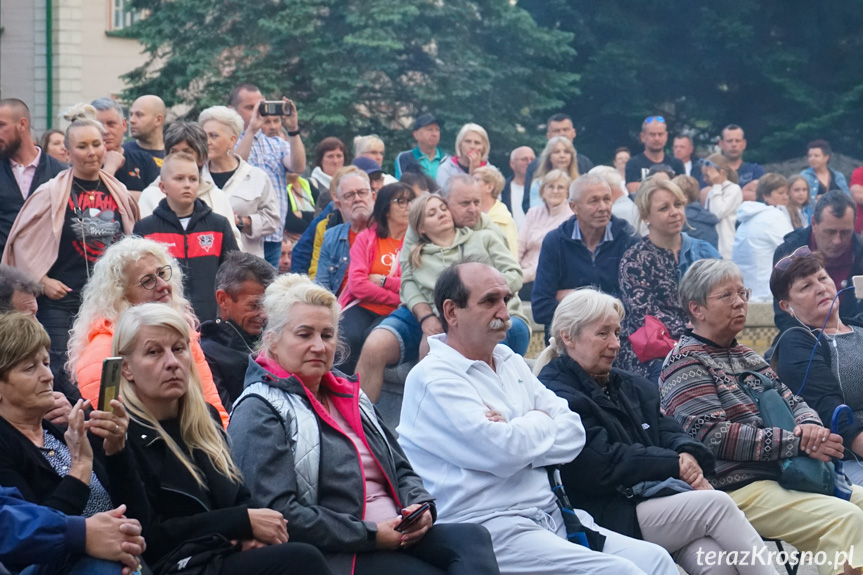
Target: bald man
<point x="23" y="165"/>
<point x="512" y="195"/>
<point x="147" y="120"/>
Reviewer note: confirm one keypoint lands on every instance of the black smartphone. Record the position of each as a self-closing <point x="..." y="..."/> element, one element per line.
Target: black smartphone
<point x="413" y="517"/>
<point x="274" y="108"/>
<point x="109" y="387"/>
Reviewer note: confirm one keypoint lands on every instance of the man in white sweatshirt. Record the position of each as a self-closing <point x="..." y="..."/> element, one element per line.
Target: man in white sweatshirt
<point x="479" y="429"/>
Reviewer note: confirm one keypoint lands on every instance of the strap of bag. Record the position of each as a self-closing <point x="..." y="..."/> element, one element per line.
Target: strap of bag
<point x="575" y="531"/>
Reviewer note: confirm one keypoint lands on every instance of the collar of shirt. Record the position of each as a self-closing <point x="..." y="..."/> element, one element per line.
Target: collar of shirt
<point x="576" y="234"/>
<point x="24" y="174"/>
<point x="34" y="164"/>
<point x="439" y="155"/>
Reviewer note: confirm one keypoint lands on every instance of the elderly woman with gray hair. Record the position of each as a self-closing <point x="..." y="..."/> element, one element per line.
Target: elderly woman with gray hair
<point x="311" y="445"/>
<point x="631" y="446"/>
<point x="249" y="189"/>
<point x="190" y="138"/>
<point x="706" y="385"/>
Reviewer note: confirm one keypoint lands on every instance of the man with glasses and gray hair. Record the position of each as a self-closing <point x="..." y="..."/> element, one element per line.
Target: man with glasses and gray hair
<point x="831" y="233"/>
<point x="654" y="136"/>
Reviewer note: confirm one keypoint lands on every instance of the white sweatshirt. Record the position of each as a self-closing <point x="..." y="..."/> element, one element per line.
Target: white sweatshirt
<point x="723" y="201"/>
<point x="475" y="468"/>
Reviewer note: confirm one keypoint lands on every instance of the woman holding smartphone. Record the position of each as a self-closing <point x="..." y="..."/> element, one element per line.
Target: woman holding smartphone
<point x="343" y="483"/>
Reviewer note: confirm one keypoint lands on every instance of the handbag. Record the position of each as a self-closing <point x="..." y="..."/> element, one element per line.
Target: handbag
<point x="652" y="340"/>
<point x="652" y="489"/>
<point x="801" y="473"/>
<point x="199" y="556"/>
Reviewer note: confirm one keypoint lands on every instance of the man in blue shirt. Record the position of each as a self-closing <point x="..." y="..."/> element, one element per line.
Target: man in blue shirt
<point x="426" y="156"/>
<point x="732" y="143"/>
<point x="34" y="535"/>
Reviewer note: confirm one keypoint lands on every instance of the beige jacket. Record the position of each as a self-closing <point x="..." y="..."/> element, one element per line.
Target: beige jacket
<point x="34" y="239"/>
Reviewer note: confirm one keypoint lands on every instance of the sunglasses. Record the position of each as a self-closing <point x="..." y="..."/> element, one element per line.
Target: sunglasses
<point x="801" y="252"/>
<point x="709" y="164"/>
<point x="650" y="119"/>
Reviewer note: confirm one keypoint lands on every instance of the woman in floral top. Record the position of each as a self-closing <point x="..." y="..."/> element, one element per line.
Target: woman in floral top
<point x="650" y="271"/>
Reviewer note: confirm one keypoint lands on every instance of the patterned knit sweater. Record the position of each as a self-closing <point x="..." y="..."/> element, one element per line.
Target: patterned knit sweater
<point x="700" y="389"/>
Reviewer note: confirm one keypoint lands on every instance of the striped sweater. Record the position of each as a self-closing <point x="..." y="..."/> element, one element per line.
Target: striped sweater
<point x="699" y="388"/>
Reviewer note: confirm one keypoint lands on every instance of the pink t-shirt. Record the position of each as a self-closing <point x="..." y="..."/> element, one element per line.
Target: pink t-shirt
<point x="379" y="505"/>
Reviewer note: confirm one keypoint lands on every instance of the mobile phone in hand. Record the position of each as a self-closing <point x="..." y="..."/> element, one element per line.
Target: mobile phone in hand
<point x="413" y="517"/>
<point x="109" y="388"/>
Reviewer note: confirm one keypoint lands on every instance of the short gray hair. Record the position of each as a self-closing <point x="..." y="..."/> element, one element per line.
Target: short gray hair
<point x="446" y="190"/>
<point x="224" y="115"/>
<point x="357" y="174"/>
<point x="700" y="279"/>
<point x="610" y="175"/>
<point x="583" y="182"/>
<point x="105" y="104"/>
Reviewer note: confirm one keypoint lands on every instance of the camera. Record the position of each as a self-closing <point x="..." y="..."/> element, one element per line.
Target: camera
<point x="274" y="108"/>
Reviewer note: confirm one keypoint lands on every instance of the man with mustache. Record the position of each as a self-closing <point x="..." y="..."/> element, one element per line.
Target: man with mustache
<point x="23" y="165"/>
<point x="227" y="341"/>
<point x="479" y="428"/>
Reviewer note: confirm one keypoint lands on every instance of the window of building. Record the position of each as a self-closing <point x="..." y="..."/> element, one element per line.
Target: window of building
<point x="121" y="15"/>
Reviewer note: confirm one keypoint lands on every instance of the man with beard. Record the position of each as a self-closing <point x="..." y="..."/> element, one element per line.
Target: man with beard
<point x="135" y="169"/>
<point x="23" y="165"/>
<point x="227" y="342"/>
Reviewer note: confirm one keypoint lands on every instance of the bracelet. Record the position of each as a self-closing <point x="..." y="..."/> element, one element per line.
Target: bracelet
<point x="294" y="133"/>
<point x="425" y="317"/>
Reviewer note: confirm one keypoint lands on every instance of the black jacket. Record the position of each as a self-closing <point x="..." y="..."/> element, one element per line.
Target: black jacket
<point x="227" y="347"/>
<point x="626" y="443"/>
<point x="23" y="466"/>
<point x="822" y="391"/>
<point x="169" y="503"/>
<point x="200" y="249"/>
<point x="11" y="199"/>
<point x="850" y="308"/>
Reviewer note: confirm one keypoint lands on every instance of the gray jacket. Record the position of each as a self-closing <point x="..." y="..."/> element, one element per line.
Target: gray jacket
<point x="262" y="448"/>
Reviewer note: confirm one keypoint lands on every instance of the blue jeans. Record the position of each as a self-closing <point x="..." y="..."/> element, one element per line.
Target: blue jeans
<point x="79" y="565"/>
<point x="517" y="336"/>
<point x="272" y="253"/>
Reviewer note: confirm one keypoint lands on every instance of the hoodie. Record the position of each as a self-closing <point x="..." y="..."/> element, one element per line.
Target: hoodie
<point x="761" y="229"/>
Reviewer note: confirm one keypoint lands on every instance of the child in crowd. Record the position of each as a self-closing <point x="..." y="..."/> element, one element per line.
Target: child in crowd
<point x="723" y="199"/>
<point x="700" y="223"/>
<point x="192" y="232"/>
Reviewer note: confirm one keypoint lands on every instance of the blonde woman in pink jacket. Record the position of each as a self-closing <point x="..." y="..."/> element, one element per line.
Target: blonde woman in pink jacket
<point x="374" y="277"/>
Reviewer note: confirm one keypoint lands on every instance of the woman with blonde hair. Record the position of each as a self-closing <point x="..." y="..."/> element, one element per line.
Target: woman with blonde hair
<point x="800" y="205"/>
<point x="183" y="483"/>
<point x="67" y="223"/>
<point x="248" y="188"/>
<point x="650" y="271"/>
<point x="350" y="501"/>
<point x="541" y="219"/>
<point x="558" y="154"/>
<point x="131" y="272"/>
<point x="491" y="183"/>
<point x="471" y="152"/>
<point x="723" y="199"/>
<point x="631" y="447"/>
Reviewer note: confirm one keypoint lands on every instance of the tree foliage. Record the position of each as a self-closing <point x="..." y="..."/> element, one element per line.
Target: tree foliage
<point x="362" y="66"/>
<point x="788" y="72"/>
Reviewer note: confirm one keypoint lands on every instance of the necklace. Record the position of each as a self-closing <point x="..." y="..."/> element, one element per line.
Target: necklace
<point x="91" y="193"/>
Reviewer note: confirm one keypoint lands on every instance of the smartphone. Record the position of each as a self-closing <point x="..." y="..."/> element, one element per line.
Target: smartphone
<point x="413" y="517"/>
<point x="110" y="386"/>
<point x="274" y="108"/>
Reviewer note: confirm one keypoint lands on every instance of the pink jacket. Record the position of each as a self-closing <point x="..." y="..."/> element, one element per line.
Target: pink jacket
<point x="358" y="286"/>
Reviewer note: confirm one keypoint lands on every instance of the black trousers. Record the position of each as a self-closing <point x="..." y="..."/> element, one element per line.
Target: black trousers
<point x="286" y="559"/>
<point x="355" y="326"/>
<point x="451" y="548"/>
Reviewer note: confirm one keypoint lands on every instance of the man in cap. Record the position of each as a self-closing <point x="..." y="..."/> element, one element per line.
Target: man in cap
<point x="426" y="157"/>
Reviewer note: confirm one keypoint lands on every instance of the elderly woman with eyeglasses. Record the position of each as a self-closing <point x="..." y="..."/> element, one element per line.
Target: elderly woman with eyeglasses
<point x="704" y="387"/>
<point x="834" y="376"/>
<point x="131" y="272"/>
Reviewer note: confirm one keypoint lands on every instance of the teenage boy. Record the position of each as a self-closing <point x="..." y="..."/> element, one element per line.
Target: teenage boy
<point x="195" y="235"/>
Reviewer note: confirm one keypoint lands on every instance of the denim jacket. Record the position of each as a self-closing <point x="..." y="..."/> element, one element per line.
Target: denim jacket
<point x="692" y="250"/>
<point x="335" y="258"/>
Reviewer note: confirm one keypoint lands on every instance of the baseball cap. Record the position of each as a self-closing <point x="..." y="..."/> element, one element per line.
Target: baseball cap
<point x="368" y="165"/>
<point x="425" y="120"/>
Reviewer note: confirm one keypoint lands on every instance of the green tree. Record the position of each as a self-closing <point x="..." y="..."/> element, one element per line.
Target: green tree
<point x="362" y="66"/>
<point x="788" y="72"/>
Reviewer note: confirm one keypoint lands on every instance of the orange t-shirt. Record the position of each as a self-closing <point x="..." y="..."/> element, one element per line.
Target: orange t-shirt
<point x="386" y="256"/>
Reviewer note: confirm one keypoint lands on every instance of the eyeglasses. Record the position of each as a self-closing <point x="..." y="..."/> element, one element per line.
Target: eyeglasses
<point x="403" y="202"/>
<point x="359" y="195"/>
<point x="801" y="252"/>
<point x="149" y="281"/>
<point x="650" y="119"/>
<point x="728" y="297"/>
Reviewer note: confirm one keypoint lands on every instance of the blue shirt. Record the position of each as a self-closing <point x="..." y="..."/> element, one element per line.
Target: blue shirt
<point x="607" y="237"/>
<point x="272" y="155"/>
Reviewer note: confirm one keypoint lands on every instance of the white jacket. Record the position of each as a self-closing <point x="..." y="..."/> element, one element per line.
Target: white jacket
<point x="250" y="193"/>
<point x="207" y="193"/>
<point x="762" y="229"/>
<point x="475" y="468"/>
<point x="723" y="201"/>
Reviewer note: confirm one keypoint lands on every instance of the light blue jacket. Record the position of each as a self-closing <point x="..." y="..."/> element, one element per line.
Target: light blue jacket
<point x="692" y="250"/>
<point x="335" y="258"/>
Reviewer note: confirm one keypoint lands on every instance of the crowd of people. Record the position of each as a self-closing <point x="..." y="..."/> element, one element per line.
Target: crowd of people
<point x="255" y="304"/>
